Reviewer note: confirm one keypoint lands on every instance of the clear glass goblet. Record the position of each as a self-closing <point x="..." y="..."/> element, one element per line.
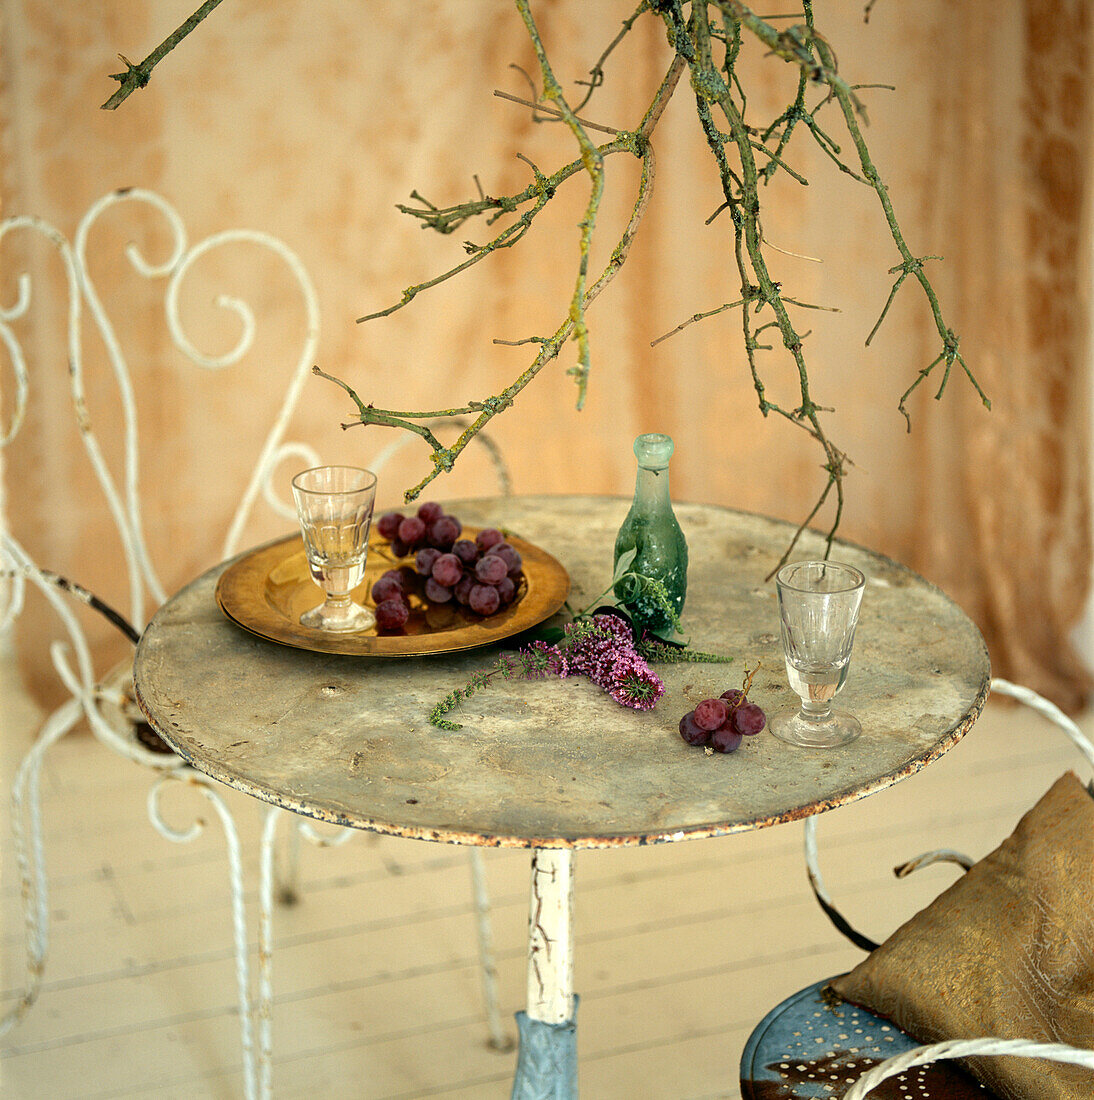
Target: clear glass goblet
<point x="335" y="504"/>
<point x="818" y="611"/>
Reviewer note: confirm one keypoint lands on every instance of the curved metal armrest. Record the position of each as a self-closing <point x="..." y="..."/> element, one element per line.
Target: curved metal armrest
<point x="943" y="855"/>
<point x="1047" y="710"/>
<point x="966" y="1048"/>
<point x="117" y="721"/>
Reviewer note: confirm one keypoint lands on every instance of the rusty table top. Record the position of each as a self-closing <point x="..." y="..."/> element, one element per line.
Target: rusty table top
<point x="557" y="763"/>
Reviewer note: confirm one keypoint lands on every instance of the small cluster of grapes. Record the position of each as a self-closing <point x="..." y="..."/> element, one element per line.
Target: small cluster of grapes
<point x="430" y="527"/>
<point x="722" y="723"/>
<point x="481" y="573"/>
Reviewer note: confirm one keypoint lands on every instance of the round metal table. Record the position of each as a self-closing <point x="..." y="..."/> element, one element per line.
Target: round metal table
<point x="557" y="765"/>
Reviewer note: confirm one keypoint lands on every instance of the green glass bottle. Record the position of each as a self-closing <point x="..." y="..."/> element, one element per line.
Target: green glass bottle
<point x="650" y="541"/>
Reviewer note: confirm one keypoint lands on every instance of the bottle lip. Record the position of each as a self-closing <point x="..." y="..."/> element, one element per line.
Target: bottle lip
<point x="653" y="450"/>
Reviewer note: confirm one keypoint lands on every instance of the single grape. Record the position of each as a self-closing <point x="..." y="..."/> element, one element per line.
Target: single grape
<point x="425" y="559"/>
<point x="444" y="531"/>
<point x="430" y="511"/>
<point x="462" y="589"/>
<point x="399" y="548"/>
<point x="484" y="599"/>
<point x="510" y="555"/>
<point x="392" y="614"/>
<point x="710" y="714"/>
<point x="489" y="536"/>
<point x="749" y="719"/>
<point x="490" y="569"/>
<point x="411" y="531"/>
<point x="507" y="589"/>
<point x="690" y="732"/>
<point x="734" y="697"/>
<point x="447" y="570"/>
<point x="388" y="524"/>
<point x="466" y="551"/>
<point x="386" y="588"/>
<point x="725" y="738"/>
<point x="437" y="593"/>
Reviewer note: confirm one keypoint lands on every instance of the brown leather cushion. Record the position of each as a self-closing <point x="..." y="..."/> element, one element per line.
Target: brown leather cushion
<point x="1007" y="951"/>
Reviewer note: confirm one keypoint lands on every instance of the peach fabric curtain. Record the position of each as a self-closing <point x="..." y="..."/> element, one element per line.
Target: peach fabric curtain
<point x="310" y="121"/>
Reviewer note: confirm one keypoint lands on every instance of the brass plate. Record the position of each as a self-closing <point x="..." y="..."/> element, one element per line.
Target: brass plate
<point x="267" y="591"/>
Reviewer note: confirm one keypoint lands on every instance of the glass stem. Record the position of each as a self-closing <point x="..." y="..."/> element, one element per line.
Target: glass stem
<point x="814" y="711"/>
<point x="338" y="599"/>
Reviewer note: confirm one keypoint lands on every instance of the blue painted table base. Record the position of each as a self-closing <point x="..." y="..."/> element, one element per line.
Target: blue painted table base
<point x="546" y="1060"/>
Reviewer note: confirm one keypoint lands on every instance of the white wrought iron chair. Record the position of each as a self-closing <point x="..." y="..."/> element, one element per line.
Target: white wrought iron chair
<point x="789" y="1055"/>
<point x="105" y="701"/>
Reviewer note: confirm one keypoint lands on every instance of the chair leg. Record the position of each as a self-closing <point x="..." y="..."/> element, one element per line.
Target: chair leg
<point x="499" y="1040"/>
<point x="267" y="881"/>
<point x="26" y="827"/>
<point x="253" y="1081"/>
<point x="286" y="871"/>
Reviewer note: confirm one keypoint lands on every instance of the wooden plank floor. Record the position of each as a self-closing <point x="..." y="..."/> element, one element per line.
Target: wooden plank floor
<point x="681" y="948"/>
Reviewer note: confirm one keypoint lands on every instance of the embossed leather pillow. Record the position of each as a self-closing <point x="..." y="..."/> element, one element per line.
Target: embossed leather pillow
<point x="1007" y="951"/>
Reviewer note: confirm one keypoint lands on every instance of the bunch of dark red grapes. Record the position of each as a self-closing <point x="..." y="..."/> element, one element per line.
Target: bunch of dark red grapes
<point x="482" y="574"/>
<point x="722" y="723"/>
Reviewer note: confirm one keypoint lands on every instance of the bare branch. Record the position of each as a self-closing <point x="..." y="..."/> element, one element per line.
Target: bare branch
<point x="596" y="73"/>
<point x="554" y="111"/>
<point x="696" y="317"/>
<point x="911" y="264"/>
<point x="137" y="76"/>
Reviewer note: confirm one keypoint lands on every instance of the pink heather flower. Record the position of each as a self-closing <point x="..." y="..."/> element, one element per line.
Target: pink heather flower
<point x="634" y="683"/>
<point x="640" y="692"/>
<point x="596" y="661"/>
<point x="543" y="660"/>
<point x="615" y="627"/>
<point x="607" y="657"/>
<point x="594" y="654"/>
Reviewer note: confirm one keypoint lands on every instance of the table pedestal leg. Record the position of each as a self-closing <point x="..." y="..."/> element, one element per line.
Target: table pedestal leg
<point x="547" y="1061"/>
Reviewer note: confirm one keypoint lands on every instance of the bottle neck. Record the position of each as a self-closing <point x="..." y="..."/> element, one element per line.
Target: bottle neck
<point x="651" y="488"/>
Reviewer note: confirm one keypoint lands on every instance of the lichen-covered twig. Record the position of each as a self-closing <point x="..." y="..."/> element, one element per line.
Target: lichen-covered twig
<point x="910" y="265"/>
<point x="593" y="162"/>
<point x="485" y="410"/>
<point x="596" y="73"/>
<point x="538" y="193"/>
<point x="137" y="76"/>
<point x="716" y="87"/>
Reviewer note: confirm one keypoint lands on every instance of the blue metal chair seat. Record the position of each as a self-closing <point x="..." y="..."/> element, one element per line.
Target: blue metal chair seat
<point x="815" y="1046"/>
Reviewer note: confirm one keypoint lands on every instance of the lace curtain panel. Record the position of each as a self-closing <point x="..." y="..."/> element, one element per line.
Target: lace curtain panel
<point x="312" y="121"/>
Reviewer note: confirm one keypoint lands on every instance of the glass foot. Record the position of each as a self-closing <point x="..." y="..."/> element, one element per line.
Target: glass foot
<point x="338" y="618"/>
<point x="796" y="728"/>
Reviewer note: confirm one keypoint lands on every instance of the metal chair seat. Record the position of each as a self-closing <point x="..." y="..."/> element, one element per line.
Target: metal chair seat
<point x="815" y="1046"/>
